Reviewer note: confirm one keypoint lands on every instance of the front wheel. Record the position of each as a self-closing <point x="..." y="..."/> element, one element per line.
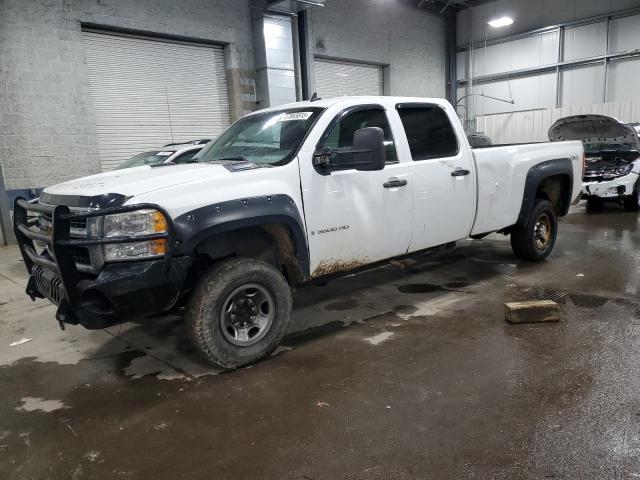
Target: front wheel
<point x="534" y="241"/>
<point x="239" y="312"/>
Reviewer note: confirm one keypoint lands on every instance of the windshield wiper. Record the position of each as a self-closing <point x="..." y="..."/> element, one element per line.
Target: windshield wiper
<point x="233" y="158"/>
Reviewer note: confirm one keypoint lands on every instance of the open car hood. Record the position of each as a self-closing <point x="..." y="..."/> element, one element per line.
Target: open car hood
<point x="592" y="129"/>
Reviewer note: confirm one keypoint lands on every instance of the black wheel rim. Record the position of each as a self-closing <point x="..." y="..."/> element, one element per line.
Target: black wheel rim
<point x="247" y="314"/>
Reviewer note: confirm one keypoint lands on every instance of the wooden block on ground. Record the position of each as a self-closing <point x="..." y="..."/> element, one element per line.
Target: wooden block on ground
<point x="532" y="311"/>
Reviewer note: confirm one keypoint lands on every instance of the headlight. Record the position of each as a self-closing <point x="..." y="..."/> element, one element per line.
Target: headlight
<point x="132" y="224"/>
<point x="615" y="172"/>
<point x="624" y="170"/>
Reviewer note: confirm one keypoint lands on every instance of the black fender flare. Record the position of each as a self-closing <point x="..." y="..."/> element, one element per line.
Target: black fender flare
<point x="535" y="176"/>
<point x="197" y="225"/>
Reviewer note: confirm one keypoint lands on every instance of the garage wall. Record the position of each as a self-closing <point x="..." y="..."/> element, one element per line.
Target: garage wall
<point x="584" y="64"/>
<point x="336" y="79"/>
<point x="408" y="42"/>
<point x="533" y="125"/>
<point x="47" y="124"/>
<point x="147" y="93"/>
<point x="530" y="15"/>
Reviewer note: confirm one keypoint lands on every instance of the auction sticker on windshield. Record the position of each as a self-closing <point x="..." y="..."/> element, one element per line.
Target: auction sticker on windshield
<point x="287" y="117"/>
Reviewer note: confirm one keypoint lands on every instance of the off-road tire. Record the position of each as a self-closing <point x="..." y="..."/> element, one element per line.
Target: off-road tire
<point x="632" y="202"/>
<point x="203" y="319"/>
<point x="524" y="240"/>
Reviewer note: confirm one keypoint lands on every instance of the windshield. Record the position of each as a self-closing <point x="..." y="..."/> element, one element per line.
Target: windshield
<point x="269" y="138"/>
<point x="155" y="157"/>
<point x="603" y="147"/>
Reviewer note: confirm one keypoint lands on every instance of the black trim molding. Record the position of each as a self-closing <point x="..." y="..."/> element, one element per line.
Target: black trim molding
<point x="107" y="200"/>
<point x="537" y="173"/>
<point x="194" y="226"/>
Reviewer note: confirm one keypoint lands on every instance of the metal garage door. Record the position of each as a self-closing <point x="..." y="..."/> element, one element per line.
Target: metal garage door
<point x="335" y="79"/>
<point x="148" y="92"/>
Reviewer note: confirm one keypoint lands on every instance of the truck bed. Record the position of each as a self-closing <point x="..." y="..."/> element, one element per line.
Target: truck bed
<point x="501" y="172"/>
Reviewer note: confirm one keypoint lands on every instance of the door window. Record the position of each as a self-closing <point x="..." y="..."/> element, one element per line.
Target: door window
<point x="429" y="131"/>
<point x="341" y="133"/>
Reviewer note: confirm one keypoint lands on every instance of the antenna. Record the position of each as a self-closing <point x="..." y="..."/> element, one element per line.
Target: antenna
<point x="314" y="97"/>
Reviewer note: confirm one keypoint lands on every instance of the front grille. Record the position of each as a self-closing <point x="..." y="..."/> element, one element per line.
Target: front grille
<point x="81" y="256"/>
<point x="78" y="229"/>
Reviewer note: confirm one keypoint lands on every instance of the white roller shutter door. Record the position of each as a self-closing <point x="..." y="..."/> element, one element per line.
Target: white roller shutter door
<point x="336" y="79"/>
<point x="147" y="93"/>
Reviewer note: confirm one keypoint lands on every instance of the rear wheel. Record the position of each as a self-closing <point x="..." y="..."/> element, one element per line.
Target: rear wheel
<point x="239" y="312"/>
<point x="535" y="240"/>
<point x="632" y="202"/>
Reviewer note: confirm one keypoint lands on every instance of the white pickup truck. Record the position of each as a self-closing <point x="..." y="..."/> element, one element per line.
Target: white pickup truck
<point x="286" y="196"/>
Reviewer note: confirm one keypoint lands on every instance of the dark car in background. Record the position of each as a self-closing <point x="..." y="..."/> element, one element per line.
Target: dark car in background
<point x="170" y="153"/>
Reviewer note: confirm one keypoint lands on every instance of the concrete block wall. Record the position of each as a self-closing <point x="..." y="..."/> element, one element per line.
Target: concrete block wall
<point x="47" y="128"/>
<point x="409" y="41"/>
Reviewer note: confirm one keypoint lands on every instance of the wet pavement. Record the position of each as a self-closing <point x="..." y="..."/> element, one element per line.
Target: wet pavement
<point x="405" y="372"/>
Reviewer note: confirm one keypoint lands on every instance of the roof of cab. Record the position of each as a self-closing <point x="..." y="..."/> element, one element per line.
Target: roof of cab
<point x="329" y="102"/>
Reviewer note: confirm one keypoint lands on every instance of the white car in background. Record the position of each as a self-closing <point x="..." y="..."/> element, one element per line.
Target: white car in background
<point x="612" y="158"/>
<point x="170" y="153"/>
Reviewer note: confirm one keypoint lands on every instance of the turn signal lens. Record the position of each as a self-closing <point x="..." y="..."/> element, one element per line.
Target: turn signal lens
<point x="159" y="223"/>
<point x="158" y="247"/>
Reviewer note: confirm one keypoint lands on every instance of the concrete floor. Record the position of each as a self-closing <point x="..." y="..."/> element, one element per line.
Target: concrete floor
<point x="394" y="374"/>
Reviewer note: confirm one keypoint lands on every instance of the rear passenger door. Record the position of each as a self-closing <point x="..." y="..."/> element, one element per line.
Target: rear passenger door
<point x="442" y="172"/>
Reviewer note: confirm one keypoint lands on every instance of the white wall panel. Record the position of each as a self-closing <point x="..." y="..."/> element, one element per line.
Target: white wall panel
<point x="624" y="35"/>
<point x="585" y="41"/>
<point x="537" y="91"/>
<point x="278" y="42"/>
<point x="528" y="52"/>
<point x="623" y="83"/>
<point x="582" y="85"/>
<point x="533" y="126"/>
<point x="462" y="65"/>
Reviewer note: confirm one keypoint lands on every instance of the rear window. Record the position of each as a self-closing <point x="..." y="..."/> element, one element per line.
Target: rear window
<point x="429" y="131"/>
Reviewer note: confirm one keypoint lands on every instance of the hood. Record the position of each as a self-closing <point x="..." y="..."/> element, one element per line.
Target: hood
<point x="139" y="180"/>
<point x="594" y="129"/>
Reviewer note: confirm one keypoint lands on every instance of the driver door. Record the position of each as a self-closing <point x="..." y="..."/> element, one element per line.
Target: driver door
<point x="356" y="217"/>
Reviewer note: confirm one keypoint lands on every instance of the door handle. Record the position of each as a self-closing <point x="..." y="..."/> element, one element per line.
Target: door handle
<point x="460" y="172"/>
<point x="394" y="182"/>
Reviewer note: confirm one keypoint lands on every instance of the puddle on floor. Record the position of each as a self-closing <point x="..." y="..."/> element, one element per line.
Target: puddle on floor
<point x="432" y="287"/>
<point x="580" y="300"/>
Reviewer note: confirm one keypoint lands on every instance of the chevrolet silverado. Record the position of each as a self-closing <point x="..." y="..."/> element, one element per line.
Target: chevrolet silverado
<point x="286" y="196"/>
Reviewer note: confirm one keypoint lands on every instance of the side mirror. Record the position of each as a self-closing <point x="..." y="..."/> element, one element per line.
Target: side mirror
<point x="367" y="153"/>
<point x="368" y="149"/>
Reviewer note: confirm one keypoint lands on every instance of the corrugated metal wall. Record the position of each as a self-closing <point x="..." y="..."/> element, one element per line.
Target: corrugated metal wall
<point x="335" y="79"/>
<point x="148" y="92"/>
<point x="593" y="82"/>
<point x="533" y="125"/>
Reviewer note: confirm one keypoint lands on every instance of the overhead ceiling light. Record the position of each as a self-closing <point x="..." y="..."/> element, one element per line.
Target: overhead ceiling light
<point x="501" y="22"/>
